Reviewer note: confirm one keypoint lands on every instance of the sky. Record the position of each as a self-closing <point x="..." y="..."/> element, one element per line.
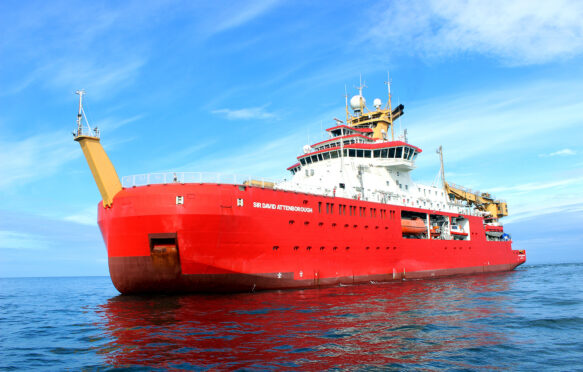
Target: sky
<point x="241" y="86"/>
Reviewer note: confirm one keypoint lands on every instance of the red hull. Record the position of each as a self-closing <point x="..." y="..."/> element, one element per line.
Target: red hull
<point x="275" y="239"/>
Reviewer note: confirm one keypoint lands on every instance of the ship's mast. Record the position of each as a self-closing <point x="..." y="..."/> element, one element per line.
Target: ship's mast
<point x="388" y="82"/>
<point x="361" y="98"/>
<point x="346" y="99"/>
<point x="80" y="92"/>
<point x="441" y="169"/>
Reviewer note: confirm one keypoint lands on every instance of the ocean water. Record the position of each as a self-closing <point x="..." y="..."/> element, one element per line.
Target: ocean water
<point x="528" y="319"/>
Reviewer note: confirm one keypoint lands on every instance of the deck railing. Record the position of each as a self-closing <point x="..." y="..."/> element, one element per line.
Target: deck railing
<point x="193" y="177"/>
<point x="233" y="179"/>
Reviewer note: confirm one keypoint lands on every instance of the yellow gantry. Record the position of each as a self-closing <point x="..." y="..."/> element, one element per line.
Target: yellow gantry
<point x="101" y="167"/>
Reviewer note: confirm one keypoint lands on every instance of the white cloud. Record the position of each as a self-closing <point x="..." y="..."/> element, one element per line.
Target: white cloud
<point x="506" y="119"/>
<point x="88" y="216"/>
<point x="98" y="78"/>
<point x="264" y="160"/>
<point x="35" y="157"/>
<point x="519" y="32"/>
<point x="533" y="186"/>
<point x="563" y="152"/>
<point x="241" y="13"/>
<point x="16" y="240"/>
<point x="245" y="113"/>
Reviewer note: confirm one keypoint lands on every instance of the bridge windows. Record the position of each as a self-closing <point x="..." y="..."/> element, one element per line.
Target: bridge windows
<point x="400" y="152"/>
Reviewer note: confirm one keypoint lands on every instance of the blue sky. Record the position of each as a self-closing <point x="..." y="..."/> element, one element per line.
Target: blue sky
<point x="239" y="87"/>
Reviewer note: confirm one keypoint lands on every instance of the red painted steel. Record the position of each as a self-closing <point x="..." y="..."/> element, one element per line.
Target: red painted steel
<point x="275" y="239"/>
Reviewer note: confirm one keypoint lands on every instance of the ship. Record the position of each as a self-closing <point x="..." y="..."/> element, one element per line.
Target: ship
<point x="349" y="213"/>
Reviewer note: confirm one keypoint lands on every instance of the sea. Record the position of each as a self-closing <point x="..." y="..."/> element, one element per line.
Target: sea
<point x="526" y="320"/>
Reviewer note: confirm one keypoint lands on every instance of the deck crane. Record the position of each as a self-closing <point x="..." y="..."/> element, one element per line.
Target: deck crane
<point x="481" y="200"/>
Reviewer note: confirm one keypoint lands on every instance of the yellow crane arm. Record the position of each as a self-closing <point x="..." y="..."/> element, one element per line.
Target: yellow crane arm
<point x="483" y="201"/>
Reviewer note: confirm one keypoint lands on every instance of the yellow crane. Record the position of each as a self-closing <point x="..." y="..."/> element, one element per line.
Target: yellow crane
<point x="481" y="200"/>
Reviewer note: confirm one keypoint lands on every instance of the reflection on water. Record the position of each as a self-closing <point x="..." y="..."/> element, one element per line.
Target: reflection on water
<point x="420" y="324"/>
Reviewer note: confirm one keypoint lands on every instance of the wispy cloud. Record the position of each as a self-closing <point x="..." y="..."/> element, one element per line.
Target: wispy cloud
<point x="245" y="113"/>
<point x="17" y="240"/>
<point x="533" y="186"/>
<point x="87" y="216"/>
<point x="519" y="32"/>
<point x="242" y="13"/>
<point x="563" y="152"/>
<point x="505" y="119"/>
<point x="34" y="158"/>
<point x="258" y="160"/>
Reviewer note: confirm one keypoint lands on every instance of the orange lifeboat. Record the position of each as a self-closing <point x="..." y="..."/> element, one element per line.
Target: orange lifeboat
<point x="414" y="226"/>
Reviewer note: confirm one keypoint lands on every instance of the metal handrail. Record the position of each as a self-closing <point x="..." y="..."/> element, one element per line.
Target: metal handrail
<point x="192" y="177"/>
<point x="233" y="179"/>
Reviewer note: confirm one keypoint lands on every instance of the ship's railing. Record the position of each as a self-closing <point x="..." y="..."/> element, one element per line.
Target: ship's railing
<point x="193" y="177"/>
<point x="86" y="131"/>
<point x="234" y="179"/>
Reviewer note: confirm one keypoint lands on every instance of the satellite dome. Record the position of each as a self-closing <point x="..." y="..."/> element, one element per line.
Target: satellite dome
<point x="357" y="101"/>
<point x="377" y="103"/>
<point x="307" y="149"/>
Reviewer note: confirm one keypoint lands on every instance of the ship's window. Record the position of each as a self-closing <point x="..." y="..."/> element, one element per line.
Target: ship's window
<point x="319" y="207"/>
<point x="359" y="153"/>
<point x="341" y="185"/>
<point x="327" y="207"/>
<point x="367" y="153"/>
<point x="415" y="155"/>
<point x="406" y="153"/>
<point x="384" y="153"/>
<point x="346" y="153"/>
<point x="377" y="153"/>
<point x="331" y="207"/>
<point x="351" y="153"/>
<point x="326" y="155"/>
<point x="400" y="186"/>
<point x="411" y="152"/>
<point x="303" y="161"/>
<point x="307" y="173"/>
<point x="406" y="187"/>
<point x="334" y="154"/>
<point x="308" y="160"/>
<point x="392" y="152"/>
<point x="314" y="158"/>
<point x="320" y="157"/>
<point x="399" y="153"/>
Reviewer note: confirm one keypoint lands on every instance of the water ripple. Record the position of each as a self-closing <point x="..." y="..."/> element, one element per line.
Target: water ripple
<point x="521" y="320"/>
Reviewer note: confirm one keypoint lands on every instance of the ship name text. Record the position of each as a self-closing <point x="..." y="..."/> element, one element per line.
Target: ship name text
<point x="282" y="207"/>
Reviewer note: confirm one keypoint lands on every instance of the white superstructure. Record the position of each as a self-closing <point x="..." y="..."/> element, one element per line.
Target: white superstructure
<point x="360" y="161"/>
